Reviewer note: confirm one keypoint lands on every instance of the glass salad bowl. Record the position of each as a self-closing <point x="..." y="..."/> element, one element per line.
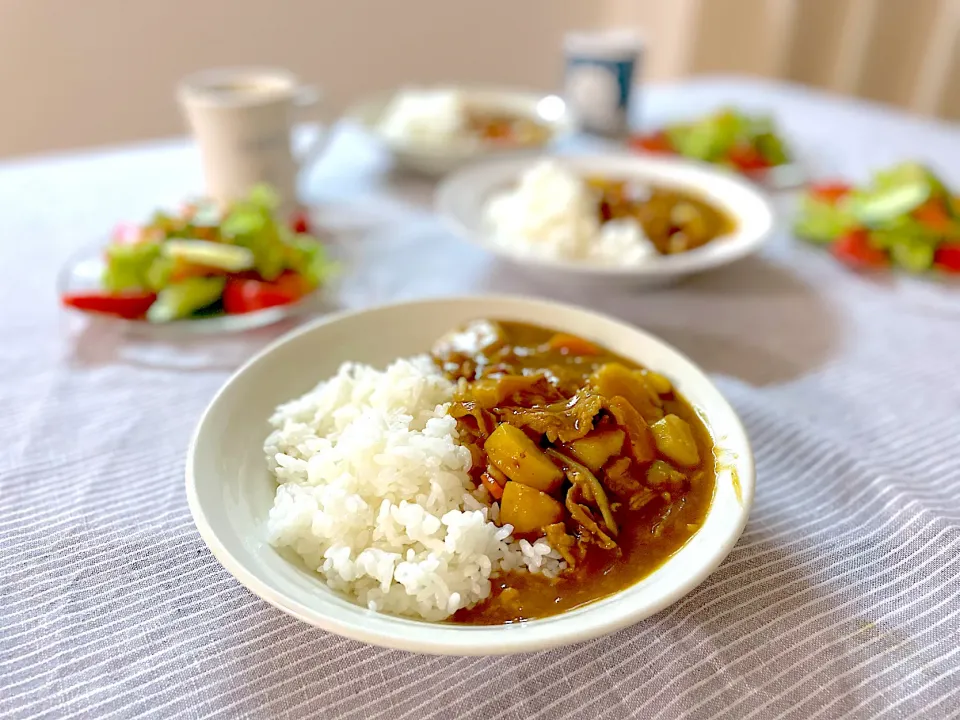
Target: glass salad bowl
<point x="203" y="268"/>
<point x="84" y="271"/>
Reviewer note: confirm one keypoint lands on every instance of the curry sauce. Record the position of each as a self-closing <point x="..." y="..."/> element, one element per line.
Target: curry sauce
<point x="577" y="444"/>
<point x="673" y="220"/>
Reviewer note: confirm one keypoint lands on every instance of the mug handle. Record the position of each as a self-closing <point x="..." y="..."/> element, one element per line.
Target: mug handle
<point x="307" y="97"/>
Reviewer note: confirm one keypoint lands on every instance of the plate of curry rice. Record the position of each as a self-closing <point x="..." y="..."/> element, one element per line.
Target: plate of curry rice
<point x="463" y="476"/>
<point x="635" y="220"/>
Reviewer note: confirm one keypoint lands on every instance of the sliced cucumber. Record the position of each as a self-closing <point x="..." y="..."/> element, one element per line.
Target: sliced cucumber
<point x="905" y="173"/>
<point x="878" y="206"/>
<point x="183" y="298"/>
<point x="231" y="258"/>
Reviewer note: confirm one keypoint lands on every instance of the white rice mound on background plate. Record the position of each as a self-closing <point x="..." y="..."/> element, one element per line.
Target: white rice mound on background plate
<point x="374" y="494"/>
<point x="552" y="213"/>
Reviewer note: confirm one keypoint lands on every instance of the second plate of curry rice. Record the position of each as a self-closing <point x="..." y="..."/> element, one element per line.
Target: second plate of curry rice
<point x="608" y="218"/>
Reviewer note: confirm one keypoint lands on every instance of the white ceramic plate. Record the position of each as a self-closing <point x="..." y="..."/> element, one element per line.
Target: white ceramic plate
<point x="463" y="199"/>
<point x="230" y="490"/>
<point x="438" y="160"/>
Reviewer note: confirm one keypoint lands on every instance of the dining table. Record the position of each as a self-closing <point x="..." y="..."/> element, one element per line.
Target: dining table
<point x="840" y="600"/>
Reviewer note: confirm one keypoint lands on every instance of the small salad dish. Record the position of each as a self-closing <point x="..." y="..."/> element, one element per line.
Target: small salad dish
<point x="619" y="218"/>
<point x="436" y="130"/>
<point x="202" y="269"/>
<point x="748" y="144"/>
<point x="906" y="218"/>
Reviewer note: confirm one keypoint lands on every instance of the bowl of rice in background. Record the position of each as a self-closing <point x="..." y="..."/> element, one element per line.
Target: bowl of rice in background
<point x="251" y="463"/>
<point x="422" y="128"/>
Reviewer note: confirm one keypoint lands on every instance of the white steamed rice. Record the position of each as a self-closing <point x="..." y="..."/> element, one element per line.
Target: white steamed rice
<point x="425" y="117"/>
<point x="374" y="494"/>
<point x="552" y="213"/>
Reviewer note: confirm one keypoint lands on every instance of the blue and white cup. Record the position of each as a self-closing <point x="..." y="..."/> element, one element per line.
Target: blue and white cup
<point x="601" y="69"/>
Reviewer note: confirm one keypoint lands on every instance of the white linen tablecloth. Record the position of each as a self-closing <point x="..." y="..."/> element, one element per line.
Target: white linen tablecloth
<point x="842" y="599"/>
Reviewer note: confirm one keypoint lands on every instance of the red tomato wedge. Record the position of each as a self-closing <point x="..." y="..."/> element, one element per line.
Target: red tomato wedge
<point x="131" y="306"/>
<point x="830" y="192"/>
<point x="855" y="250"/>
<point x="242" y="295"/>
<point x="747" y="158"/>
<point x="947" y="257"/>
<point x="657" y="142"/>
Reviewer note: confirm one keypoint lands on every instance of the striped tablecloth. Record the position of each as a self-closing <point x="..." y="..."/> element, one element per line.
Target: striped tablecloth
<point x="841" y="600"/>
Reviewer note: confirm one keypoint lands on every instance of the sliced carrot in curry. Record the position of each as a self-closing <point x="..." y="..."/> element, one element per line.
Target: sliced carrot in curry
<point x="573" y="345"/>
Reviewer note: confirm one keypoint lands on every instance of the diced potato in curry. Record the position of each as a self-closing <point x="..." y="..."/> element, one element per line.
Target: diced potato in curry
<point x="515" y="455"/>
<point x="613" y="379"/>
<point x="657" y="382"/>
<point x="595" y="449"/>
<point x="528" y="509"/>
<point x="674" y="439"/>
<point x="585" y="451"/>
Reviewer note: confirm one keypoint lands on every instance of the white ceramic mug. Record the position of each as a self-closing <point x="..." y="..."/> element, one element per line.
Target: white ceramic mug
<point x="242" y="120"/>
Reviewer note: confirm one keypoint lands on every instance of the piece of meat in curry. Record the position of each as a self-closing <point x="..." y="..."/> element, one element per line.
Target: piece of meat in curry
<point x="600" y="456"/>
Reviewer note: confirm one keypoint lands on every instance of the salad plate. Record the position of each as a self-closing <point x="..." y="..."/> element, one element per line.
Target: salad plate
<point x="81" y="274"/>
<point x="202" y="269"/>
<point x="746" y="143"/>
<point x="905" y="218"/>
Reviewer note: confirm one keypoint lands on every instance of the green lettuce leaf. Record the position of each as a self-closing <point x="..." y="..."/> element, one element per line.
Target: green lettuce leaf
<point x="912" y="254"/>
<point x="250" y="223"/>
<point x="128" y="265"/>
<point x="158" y="276"/>
<point x="823" y="222"/>
<point x="310" y="259"/>
<point x="710" y="138"/>
<point x="771" y="148"/>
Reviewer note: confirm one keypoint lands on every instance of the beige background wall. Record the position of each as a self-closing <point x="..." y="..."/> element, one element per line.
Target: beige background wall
<point x="92" y="72"/>
<point x="84" y="72"/>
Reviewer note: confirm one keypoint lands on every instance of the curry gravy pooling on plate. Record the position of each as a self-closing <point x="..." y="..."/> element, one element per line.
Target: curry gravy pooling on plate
<point x="599" y="456"/>
<point x="511" y="474"/>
